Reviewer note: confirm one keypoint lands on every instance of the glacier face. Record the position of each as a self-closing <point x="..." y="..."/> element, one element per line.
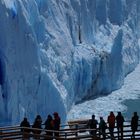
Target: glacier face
<point x="59" y="52"/>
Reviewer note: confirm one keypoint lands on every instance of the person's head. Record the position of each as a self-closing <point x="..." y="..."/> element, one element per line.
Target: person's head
<point x="25" y="119"/>
<point x="93" y="117"/>
<point x="55" y="114"/>
<point x="119" y="113"/>
<point x="49" y="117"/>
<point x="135" y="113"/>
<point x="111" y="113"/>
<point x="38" y="116"/>
<point x="101" y="118"/>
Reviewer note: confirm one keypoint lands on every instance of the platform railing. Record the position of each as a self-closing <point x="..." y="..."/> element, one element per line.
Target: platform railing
<point x="77" y="130"/>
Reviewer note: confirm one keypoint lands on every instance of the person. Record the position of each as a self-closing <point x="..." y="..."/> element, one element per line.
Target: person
<point x="49" y="126"/>
<point x="102" y="128"/>
<point x="93" y="125"/>
<point x="39" y="119"/>
<point x="56" y="123"/>
<point x="111" y="123"/>
<point x="37" y="124"/>
<point x="134" y="124"/>
<point x="25" y="131"/>
<point x="120" y="121"/>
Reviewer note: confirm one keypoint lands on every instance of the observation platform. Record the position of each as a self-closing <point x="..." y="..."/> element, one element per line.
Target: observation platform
<point x="73" y="130"/>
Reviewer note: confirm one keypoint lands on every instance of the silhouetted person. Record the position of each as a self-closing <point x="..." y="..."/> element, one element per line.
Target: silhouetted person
<point x="49" y="125"/>
<point x="38" y="119"/>
<point x="37" y="124"/>
<point x="56" y="123"/>
<point x="102" y="127"/>
<point x="25" y="131"/>
<point x="120" y="121"/>
<point x="134" y="124"/>
<point x="93" y="125"/>
<point x="111" y="123"/>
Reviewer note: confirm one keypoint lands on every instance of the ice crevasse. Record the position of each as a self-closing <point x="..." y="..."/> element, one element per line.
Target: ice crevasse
<point x="59" y="52"/>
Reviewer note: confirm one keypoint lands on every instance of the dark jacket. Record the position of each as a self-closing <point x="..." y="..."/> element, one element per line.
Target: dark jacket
<point x="37" y="124"/>
<point x="111" y="120"/>
<point x="120" y="120"/>
<point x="102" y="125"/>
<point x="56" y="123"/>
<point x="25" y="123"/>
<point x="92" y="123"/>
<point x="134" y="122"/>
<point x="49" y="124"/>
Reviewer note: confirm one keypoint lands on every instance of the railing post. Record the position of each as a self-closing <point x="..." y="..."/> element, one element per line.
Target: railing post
<point x="0" y="134"/>
<point x="65" y="135"/>
<point x="76" y="133"/>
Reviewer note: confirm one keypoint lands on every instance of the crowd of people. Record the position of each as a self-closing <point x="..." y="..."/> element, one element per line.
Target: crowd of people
<point x="111" y="121"/>
<point x="51" y="123"/>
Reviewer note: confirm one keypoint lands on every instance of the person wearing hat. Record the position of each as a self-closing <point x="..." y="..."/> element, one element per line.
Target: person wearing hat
<point x="56" y="122"/>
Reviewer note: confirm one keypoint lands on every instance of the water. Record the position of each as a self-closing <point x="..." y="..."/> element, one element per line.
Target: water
<point x="126" y="100"/>
<point x="132" y="106"/>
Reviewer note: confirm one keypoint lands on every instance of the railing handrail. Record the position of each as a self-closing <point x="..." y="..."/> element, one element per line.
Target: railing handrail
<point x="64" y="133"/>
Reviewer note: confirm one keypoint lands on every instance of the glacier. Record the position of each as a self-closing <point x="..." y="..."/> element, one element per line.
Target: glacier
<point x="125" y="99"/>
<point x="56" y="53"/>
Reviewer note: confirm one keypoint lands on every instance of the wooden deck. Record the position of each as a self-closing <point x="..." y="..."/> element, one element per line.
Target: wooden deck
<point x="74" y="130"/>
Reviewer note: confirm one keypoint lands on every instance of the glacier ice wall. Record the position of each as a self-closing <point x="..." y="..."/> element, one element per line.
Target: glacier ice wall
<point x="59" y="52"/>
